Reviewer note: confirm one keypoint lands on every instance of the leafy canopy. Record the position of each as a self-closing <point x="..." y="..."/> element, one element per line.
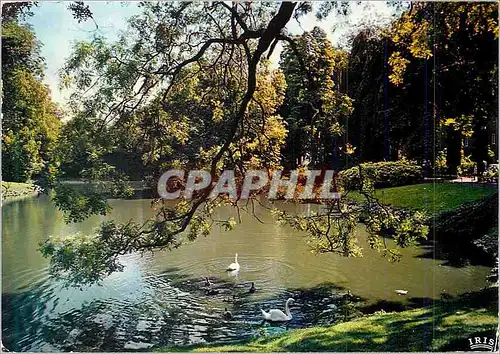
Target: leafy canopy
<point x="188" y="86"/>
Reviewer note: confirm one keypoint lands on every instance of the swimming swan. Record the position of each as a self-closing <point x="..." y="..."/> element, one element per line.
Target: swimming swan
<point x="275" y="315"/>
<point x="234" y="266"/>
<point x="401" y="292"/>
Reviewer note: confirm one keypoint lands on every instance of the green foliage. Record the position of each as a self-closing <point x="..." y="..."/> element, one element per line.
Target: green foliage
<point x="333" y="229"/>
<point x="415" y="32"/>
<point x="382" y="174"/>
<point x="432" y="47"/>
<point x="440" y="166"/>
<point x="81" y="12"/>
<point x="448" y="38"/>
<point x="406" y="228"/>
<point x="20" y="155"/>
<point x="386" y="122"/>
<point x="328" y="231"/>
<point x="315" y="108"/>
<point x="491" y="174"/>
<point x="17" y="10"/>
<point x="78" y="206"/>
<point x="83" y="259"/>
<point x="81" y="146"/>
<point x="30" y="119"/>
<point x="463" y="124"/>
<point x="20" y="49"/>
<point x="87" y="258"/>
<point x="466" y="167"/>
<point x="186" y="86"/>
<point x="171" y="102"/>
<point x="78" y="202"/>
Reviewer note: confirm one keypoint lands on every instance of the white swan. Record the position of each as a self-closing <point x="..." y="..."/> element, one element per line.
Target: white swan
<point x="401" y="292"/>
<point x="275" y="315"/>
<point x="234" y="266"/>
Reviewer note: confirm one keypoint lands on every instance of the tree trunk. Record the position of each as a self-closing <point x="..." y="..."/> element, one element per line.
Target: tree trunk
<point x="453" y="156"/>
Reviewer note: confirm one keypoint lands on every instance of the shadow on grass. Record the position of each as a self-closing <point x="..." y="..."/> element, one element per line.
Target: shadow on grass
<point x="446" y="325"/>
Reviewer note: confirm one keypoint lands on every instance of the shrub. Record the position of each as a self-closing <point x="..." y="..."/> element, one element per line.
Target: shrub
<point x="383" y="174"/>
<point x="466" y="167"/>
<point x="440" y="163"/>
<point x="491" y="174"/>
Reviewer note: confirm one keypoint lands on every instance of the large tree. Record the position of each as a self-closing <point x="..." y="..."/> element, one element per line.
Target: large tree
<point x="30" y="119"/>
<point x="458" y="45"/>
<point x="191" y="79"/>
<point x="315" y="107"/>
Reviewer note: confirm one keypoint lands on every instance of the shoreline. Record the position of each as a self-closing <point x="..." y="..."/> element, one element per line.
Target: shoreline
<point x="469" y="314"/>
<point x="15" y="191"/>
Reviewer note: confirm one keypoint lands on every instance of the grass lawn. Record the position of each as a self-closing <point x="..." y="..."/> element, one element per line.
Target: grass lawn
<point x="442" y="327"/>
<point x="432" y="197"/>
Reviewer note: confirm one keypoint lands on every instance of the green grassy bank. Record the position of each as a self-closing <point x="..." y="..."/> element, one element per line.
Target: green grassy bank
<point x="434" y="198"/>
<point x="445" y="326"/>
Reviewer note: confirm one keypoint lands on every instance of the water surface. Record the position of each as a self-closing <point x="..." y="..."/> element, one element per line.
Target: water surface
<point x="159" y="298"/>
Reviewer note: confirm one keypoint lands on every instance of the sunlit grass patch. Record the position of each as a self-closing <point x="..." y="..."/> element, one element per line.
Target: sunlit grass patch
<point x="434" y="198"/>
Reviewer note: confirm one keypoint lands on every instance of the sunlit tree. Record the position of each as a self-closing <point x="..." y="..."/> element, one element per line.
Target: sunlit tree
<point x="30" y="119"/>
<point x="189" y="84"/>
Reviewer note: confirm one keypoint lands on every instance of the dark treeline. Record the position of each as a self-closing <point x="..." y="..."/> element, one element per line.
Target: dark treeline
<point x="446" y="108"/>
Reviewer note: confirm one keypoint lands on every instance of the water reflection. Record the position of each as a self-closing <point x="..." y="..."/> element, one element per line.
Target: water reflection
<point x="162" y="314"/>
<point x="160" y="298"/>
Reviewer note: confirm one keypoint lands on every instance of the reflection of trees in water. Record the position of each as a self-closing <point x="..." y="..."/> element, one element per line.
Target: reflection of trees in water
<point x="168" y="315"/>
<point x="22" y="316"/>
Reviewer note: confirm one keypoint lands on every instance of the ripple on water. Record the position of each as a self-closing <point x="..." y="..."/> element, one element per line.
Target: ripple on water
<point x="160" y="300"/>
<point x="162" y="311"/>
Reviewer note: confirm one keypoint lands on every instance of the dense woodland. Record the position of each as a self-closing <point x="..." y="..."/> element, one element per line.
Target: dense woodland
<point x="442" y="110"/>
<point x="191" y="86"/>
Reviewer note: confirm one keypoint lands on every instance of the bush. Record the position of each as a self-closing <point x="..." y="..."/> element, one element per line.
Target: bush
<point x="491" y="174"/>
<point x="383" y="174"/>
<point x="466" y="167"/>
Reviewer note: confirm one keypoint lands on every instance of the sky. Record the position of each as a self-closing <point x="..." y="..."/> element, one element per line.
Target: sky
<point x="56" y="28"/>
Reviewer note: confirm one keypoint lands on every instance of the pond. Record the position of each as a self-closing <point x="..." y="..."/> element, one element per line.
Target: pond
<point x="159" y="299"/>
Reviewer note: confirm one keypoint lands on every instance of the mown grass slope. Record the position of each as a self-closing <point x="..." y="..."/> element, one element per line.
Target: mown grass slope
<point x="434" y="198"/>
